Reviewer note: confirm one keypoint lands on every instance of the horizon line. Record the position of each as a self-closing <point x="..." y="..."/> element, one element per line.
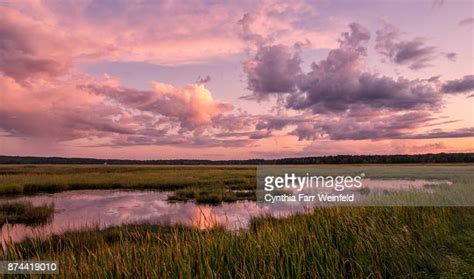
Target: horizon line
<point x="235" y="160"/>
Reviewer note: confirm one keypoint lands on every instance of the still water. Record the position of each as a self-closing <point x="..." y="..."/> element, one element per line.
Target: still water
<point x="75" y="210"/>
<point x="105" y="208"/>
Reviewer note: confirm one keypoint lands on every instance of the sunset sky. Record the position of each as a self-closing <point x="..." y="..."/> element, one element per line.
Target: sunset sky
<point x="235" y="80"/>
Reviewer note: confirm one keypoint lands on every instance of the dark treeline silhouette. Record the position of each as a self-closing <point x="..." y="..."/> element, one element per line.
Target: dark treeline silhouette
<point x="338" y="159"/>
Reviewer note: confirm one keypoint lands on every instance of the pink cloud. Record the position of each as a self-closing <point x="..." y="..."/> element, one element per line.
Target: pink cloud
<point x="55" y="110"/>
<point x="192" y="105"/>
<point x="86" y="111"/>
<point x="162" y="32"/>
<point x="45" y="98"/>
<point x="29" y="48"/>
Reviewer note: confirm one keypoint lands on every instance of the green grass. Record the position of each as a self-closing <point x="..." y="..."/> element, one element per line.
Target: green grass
<point x="328" y="243"/>
<point x="210" y="195"/>
<point x="215" y="184"/>
<point x="200" y="183"/>
<point x="357" y="242"/>
<point x="25" y="213"/>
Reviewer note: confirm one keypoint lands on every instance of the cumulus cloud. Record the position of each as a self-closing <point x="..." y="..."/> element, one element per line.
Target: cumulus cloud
<point x="273" y="70"/>
<point x="192" y="105"/>
<point x="92" y="112"/>
<point x="346" y="101"/>
<point x="326" y="90"/>
<point x="355" y="38"/>
<point x="337" y="83"/>
<point x="414" y="53"/>
<point x="462" y="85"/>
<point x="45" y="97"/>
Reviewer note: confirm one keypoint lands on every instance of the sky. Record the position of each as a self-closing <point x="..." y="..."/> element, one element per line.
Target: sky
<point x="235" y="79"/>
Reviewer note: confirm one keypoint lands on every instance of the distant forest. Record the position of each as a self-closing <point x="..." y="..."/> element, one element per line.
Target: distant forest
<point x="338" y="159"/>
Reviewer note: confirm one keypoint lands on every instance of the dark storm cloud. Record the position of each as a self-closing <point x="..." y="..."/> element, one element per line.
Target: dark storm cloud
<point x="339" y="92"/>
<point x="462" y="85"/>
<point x="346" y="127"/>
<point x="413" y="53"/>
<point x="346" y="101"/>
<point x="337" y="83"/>
<point x="273" y="70"/>
<point x="378" y="127"/>
<point x="355" y="38"/>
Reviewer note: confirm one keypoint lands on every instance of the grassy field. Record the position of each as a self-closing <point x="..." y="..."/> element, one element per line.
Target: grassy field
<point x="377" y="242"/>
<point x="205" y="185"/>
<point x="329" y="243"/>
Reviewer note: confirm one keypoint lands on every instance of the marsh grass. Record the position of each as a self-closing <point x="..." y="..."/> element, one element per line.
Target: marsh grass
<point x="202" y="184"/>
<point x="25" y="213"/>
<point x="199" y="183"/>
<point x="210" y="195"/>
<point x="337" y="242"/>
<point x="327" y="243"/>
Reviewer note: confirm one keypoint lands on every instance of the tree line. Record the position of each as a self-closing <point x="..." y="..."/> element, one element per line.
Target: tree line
<point x="337" y="159"/>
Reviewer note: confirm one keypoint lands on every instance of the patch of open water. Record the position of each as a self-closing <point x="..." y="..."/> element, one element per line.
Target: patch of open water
<point x="76" y="210"/>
